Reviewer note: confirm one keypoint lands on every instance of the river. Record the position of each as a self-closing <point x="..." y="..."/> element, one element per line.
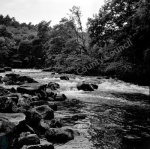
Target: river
<point x="117" y="114"/>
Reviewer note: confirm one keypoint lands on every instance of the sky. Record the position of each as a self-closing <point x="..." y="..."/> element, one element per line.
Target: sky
<point x="37" y="10"/>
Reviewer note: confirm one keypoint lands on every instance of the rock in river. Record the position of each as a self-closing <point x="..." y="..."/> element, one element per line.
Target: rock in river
<point x="86" y="86"/>
<point x="32" y="89"/>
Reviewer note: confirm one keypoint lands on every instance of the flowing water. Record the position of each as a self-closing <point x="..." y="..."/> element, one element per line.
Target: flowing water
<point x="116" y="116"/>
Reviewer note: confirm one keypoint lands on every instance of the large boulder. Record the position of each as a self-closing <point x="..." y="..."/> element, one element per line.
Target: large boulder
<point x="86" y="86"/>
<point x="59" y="135"/>
<point x="33" y="89"/>
<point x="64" y="78"/>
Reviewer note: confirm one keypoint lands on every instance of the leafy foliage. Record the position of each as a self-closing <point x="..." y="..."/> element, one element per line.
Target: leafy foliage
<point x="66" y="47"/>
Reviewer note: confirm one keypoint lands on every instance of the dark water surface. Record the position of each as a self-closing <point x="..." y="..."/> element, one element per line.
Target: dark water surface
<point x="116" y="116"/>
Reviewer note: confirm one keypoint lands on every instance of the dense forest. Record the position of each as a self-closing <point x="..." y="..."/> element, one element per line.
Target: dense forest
<point x="115" y="44"/>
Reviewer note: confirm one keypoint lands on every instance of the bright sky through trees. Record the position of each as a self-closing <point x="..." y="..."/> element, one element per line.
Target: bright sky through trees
<point x="37" y="10"/>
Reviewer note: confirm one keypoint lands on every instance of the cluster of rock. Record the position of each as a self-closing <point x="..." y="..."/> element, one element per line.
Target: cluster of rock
<point x="16" y="79"/>
<point x="27" y="118"/>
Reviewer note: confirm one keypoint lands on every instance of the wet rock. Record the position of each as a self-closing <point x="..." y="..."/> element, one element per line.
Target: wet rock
<point x="86" y="86"/>
<point x="7" y="68"/>
<point x="59" y="135"/>
<point x="28" y="139"/>
<point x="53" y="85"/>
<point x="44" y="111"/>
<point x="32" y="89"/>
<point x="64" y="78"/>
<point x="43" y="145"/>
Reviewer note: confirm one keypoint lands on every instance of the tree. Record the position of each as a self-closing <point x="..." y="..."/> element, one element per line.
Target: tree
<point x="75" y="17"/>
<point x="117" y="21"/>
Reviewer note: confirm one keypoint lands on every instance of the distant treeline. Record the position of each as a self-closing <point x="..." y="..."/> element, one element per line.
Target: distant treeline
<point x="66" y="47"/>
